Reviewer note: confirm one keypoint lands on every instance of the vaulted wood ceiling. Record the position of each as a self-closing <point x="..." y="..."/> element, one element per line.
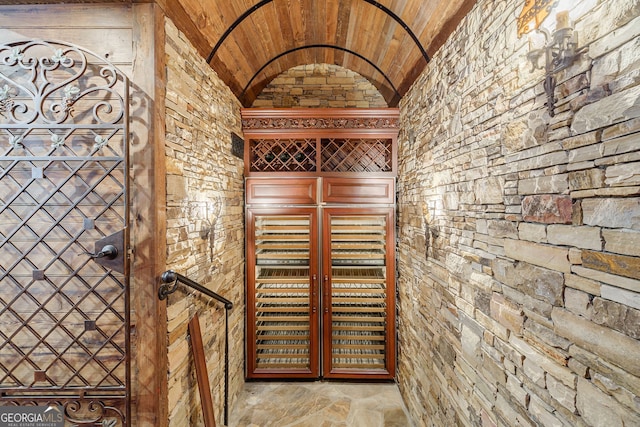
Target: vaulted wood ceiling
<point x="250" y="42"/>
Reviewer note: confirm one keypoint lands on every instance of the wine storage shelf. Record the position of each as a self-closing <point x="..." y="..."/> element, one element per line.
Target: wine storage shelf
<point x="358" y="292"/>
<point x="321" y="292"/>
<point x="282" y="294"/>
<point x="320" y="219"/>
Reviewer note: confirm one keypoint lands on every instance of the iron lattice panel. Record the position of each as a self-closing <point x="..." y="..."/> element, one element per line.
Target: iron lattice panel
<point x="356" y="155"/>
<point x="64" y="318"/>
<point x="283" y="155"/>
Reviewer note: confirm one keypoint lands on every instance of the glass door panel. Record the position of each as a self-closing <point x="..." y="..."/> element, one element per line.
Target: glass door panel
<point x="358" y="288"/>
<point x="282" y="307"/>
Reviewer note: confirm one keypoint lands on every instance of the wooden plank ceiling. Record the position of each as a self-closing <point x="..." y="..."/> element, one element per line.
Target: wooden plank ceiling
<point x="250" y="42"/>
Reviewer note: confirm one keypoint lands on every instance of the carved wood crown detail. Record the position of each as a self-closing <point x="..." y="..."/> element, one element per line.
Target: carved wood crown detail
<point x="320" y="123"/>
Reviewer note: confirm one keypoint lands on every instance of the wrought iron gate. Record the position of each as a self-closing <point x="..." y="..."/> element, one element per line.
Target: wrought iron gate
<point x="64" y="293"/>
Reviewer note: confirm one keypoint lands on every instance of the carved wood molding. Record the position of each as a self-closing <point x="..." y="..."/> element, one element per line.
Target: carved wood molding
<point x="321" y="118"/>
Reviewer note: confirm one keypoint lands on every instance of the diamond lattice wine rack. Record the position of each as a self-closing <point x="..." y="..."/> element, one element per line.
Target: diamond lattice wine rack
<point x="319" y="142"/>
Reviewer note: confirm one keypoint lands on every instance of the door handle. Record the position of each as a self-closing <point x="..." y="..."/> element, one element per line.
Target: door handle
<point x="326" y="285"/>
<point x="108" y="252"/>
<point x="314" y="293"/>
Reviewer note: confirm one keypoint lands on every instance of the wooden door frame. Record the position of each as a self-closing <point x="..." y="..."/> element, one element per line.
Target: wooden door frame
<point x="148" y="220"/>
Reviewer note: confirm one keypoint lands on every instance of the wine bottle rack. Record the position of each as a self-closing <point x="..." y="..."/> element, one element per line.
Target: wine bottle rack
<point x="320" y="197"/>
<point x="283" y="155"/>
<point x="343" y="155"/>
<point x="280" y="301"/>
<point x="356" y="155"/>
<point x="358" y="315"/>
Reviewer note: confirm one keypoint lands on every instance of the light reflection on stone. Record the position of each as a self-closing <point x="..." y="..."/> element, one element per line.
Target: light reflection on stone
<point x="319" y="404"/>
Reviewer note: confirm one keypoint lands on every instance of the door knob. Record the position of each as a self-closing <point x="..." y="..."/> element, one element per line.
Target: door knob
<point x="108" y="252"/>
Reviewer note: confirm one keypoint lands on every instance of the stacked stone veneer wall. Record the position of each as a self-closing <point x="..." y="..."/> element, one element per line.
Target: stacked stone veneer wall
<point x="320" y="85"/>
<point x="205" y="237"/>
<point x="519" y="251"/>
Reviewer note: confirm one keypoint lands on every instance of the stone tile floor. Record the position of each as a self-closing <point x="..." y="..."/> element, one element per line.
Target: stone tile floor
<point x="319" y="404"/>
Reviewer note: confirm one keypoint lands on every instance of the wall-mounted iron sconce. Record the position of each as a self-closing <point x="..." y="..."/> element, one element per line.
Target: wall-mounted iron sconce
<point x="558" y="48"/>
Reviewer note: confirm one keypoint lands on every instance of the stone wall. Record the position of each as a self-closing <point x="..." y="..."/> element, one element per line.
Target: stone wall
<point x="320" y="86"/>
<point x="205" y="232"/>
<point x="519" y="251"/>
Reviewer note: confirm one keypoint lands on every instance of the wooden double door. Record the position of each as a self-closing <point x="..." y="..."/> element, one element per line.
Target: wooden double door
<point x="321" y="292"/>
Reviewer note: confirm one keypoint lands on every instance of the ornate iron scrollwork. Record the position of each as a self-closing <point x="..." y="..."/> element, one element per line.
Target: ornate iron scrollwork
<point x="51" y="80"/>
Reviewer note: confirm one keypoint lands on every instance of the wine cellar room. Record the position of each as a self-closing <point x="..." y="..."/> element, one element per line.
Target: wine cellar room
<point x="314" y="213"/>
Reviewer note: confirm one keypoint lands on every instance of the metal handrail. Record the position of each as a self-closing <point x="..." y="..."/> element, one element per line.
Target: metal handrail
<point x="170" y="281"/>
<point x="171" y="276"/>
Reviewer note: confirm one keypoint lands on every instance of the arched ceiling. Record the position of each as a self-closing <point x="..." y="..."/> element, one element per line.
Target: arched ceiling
<point x="250" y="42"/>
